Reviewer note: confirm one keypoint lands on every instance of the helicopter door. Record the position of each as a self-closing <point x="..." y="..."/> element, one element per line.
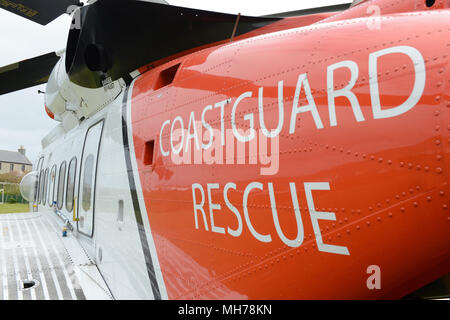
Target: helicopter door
<point x="88" y="175"/>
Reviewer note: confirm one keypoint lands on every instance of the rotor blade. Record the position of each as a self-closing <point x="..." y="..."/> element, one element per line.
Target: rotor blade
<point x="305" y="12"/>
<point x="155" y="1"/>
<point x="40" y="11"/>
<point x="129" y="34"/>
<point x="27" y="73"/>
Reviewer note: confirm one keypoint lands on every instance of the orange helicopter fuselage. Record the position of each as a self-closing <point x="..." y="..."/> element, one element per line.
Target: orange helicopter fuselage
<point x="287" y="165"/>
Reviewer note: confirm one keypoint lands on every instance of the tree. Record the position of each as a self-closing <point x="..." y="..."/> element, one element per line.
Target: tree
<point x="11" y="177"/>
<point x="9" y="182"/>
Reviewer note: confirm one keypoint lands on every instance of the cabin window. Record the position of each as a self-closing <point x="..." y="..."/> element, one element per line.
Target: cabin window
<point x="11" y="167"/>
<point x="40" y="185"/>
<point x="51" y="188"/>
<point x="44" y="196"/>
<point x="87" y="182"/>
<point x="166" y="77"/>
<point x="71" y="184"/>
<point x="62" y="176"/>
<point x="38" y="168"/>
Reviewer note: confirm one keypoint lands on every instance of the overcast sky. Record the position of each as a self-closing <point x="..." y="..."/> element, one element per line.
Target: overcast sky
<point x="23" y="120"/>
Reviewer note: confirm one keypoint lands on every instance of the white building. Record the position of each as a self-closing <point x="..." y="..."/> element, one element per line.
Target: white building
<point x="14" y="161"/>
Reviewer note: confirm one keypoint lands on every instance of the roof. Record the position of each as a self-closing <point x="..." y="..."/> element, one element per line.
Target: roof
<point x="13" y="157"/>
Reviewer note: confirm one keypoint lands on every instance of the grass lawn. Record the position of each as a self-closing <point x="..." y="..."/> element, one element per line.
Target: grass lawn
<point x="14" y="208"/>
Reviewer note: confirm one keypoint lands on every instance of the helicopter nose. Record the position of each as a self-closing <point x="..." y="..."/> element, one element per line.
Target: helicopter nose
<point x="28" y="185"/>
